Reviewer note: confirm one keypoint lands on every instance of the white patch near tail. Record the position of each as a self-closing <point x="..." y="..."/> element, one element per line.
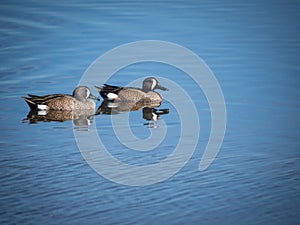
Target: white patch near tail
<point x="111" y="96"/>
<point x="42" y="107"/>
<point x="113" y="105"/>
<point x="42" y="113"/>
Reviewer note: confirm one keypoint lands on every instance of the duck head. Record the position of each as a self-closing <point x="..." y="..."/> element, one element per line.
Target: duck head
<point x="151" y="83"/>
<point x="83" y="92"/>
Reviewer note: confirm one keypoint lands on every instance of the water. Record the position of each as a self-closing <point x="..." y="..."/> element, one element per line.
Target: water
<point x="253" y="50"/>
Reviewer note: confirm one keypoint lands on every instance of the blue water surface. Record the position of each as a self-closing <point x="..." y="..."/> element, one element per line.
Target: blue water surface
<point x="253" y="49"/>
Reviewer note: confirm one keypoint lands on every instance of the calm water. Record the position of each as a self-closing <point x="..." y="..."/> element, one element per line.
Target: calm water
<point x="253" y="50"/>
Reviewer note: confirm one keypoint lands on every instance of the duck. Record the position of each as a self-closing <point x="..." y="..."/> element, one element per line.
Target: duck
<point x="77" y="101"/>
<point x="144" y="95"/>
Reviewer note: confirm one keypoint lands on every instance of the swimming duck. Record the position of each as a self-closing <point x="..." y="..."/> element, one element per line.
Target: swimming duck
<point x="77" y="101"/>
<point x="144" y="95"/>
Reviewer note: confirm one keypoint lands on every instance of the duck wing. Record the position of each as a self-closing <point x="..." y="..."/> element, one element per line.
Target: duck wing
<point x="34" y="101"/>
<point x="106" y="91"/>
<point x="111" y="88"/>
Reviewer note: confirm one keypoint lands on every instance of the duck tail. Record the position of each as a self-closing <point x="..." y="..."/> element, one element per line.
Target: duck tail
<point x="98" y="88"/>
<point x="30" y="103"/>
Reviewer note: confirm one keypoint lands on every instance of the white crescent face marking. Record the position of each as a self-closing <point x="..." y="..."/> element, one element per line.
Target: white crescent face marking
<point x="87" y="93"/>
<point x="153" y="84"/>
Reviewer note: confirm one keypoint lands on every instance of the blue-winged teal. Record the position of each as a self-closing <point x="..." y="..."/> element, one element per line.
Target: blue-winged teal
<point x="77" y="101"/>
<point x="145" y="95"/>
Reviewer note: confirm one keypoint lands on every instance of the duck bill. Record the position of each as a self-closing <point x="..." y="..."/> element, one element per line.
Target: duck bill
<point x="93" y="97"/>
<point x="158" y="86"/>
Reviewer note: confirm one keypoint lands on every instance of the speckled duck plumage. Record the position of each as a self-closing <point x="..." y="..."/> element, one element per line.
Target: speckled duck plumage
<point x="77" y="101"/>
<point x="144" y="95"/>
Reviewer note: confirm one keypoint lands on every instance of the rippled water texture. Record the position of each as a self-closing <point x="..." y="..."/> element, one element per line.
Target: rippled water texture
<point x="252" y="48"/>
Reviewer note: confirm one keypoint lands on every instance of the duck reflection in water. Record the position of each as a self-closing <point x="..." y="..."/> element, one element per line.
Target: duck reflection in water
<point x="80" y="117"/>
<point x="152" y="115"/>
<point x="150" y="111"/>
